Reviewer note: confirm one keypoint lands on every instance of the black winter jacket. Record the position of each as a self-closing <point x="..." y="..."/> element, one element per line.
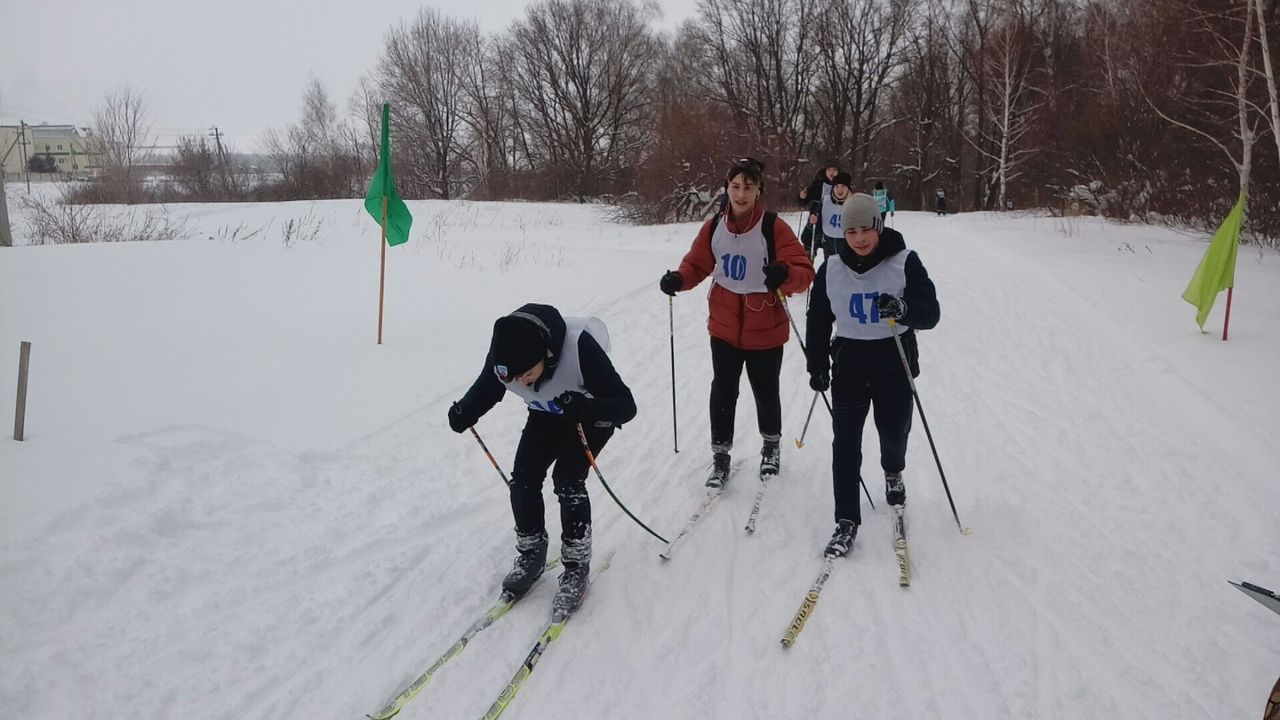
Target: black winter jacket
<point x="611" y="398"/>
<point x="870" y="358"/>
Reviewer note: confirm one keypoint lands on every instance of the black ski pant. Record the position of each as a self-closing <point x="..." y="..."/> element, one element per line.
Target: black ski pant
<point x="763" y="369"/>
<point x="551" y="439"/>
<point x="888" y="397"/>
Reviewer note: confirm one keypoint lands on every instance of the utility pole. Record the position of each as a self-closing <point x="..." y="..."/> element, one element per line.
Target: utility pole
<point x="222" y="157"/>
<point x="22" y="136"/>
<point x="6" y="235"/>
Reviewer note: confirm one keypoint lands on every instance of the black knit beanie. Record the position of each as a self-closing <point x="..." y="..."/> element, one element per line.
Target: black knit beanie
<point x="516" y="347"/>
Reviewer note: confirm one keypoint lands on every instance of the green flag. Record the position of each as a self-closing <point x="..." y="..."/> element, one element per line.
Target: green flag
<point x="1217" y="270"/>
<point x="383" y="185"/>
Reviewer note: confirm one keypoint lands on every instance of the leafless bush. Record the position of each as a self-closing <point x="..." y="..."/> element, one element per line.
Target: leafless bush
<point x="57" y="223"/>
<point x="303" y="229"/>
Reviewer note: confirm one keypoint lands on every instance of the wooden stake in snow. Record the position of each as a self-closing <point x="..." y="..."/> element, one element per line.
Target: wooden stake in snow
<point x="20" y="414"/>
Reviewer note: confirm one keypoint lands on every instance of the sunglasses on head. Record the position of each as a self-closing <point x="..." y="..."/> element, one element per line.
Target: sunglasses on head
<point x="749" y="163"/>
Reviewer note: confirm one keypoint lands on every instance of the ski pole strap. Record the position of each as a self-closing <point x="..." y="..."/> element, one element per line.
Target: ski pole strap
<point x="591" y="458"/>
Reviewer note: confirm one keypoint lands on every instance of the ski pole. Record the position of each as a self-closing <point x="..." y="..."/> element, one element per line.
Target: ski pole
<point x="902" y="354"/>
<point x="671" y="324"/>
<point x="591" y="458"/>
<point x="807" y="418"/>
<point x="783" y="299"/>
<point x="490" y="456"/>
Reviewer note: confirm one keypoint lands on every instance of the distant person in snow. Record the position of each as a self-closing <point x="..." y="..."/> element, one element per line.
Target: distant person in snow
<point x="825" y="212"/>
<point x="873" y="277"/>
<point x="750" y="254"/>
<point x="818" y="188"/>
<point x="884" y="200"/>
<point x="940" y="202"/>
<point x="559" y="367"/>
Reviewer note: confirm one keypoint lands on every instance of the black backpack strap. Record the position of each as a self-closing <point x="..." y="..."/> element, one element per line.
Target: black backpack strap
<point x="766" y="227"/>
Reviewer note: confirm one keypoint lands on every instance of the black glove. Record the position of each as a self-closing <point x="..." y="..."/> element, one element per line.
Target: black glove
<point x="820" y="380"/>
<point x="775" y="275"/>
<point x="577" y="408"/>
<point x="459" y="421"/>
<point x="890" y="306"/>
<point x="671" y="282"/>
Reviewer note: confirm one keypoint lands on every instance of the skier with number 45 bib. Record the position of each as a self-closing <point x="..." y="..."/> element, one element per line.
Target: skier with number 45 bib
<point x="750" y="255"/>
<point x="557" y="365"/>
<point x="872" y="279"/>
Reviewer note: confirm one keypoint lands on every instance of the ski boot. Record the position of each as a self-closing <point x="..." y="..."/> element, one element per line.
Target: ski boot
<point x="842" y="539"/>
<point x="770" y="459"/>
<point x="575" y="578"/>
<point x="719" y="470"/>
<point x="895" y="492"/>
<point x="531" y="559"/>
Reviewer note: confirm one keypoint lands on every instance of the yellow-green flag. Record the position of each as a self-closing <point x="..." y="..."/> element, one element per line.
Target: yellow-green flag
<point x="384" y="185"/>
<point x="1217" y="270"/>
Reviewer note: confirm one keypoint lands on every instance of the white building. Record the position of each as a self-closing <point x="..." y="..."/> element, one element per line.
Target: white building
<point x="71" y="149"/>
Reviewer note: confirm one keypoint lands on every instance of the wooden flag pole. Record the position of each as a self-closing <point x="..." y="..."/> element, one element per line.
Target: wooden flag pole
<point x="382" y="271"/>
<point x="1227" y="321"/>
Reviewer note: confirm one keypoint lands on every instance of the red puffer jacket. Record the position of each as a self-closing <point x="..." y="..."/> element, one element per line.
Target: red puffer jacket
<point x="756" y="321"/>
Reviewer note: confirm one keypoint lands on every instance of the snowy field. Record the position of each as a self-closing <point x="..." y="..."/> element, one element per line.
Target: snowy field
<point x="232" y="503"/>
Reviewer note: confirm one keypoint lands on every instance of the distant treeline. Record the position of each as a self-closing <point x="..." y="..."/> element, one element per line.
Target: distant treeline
<point x="1147" y="110"/>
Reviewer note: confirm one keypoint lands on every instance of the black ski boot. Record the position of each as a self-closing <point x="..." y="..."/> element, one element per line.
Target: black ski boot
<point x="531" y="560"/>
<point x="770" y="459"/>
<point x="895" y="493"/>
<point x="574" y="579"/>
<point x="719" y="470"/>
<point x="842" y="539"/>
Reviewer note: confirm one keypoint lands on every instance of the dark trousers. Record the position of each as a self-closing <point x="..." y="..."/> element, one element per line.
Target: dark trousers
<point x="763" y="369"/>
<point x="551" y="439"/>
<point x="888" y="397"/>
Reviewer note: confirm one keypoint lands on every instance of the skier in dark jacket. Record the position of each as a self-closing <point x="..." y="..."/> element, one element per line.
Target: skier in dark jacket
<point x="872" y="278"/>
<point x="818" y="189"/>
<point x="560" y="368"/>
<point x="826" y="213"/>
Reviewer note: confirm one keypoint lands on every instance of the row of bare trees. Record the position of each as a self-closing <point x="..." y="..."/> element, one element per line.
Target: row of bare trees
<point x="1130" y="108"/>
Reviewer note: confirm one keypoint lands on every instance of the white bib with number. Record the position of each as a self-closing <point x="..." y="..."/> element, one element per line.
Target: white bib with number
<point x="740" y="259"/>
<point x="853" y="296"/>
<point x="568" y="374"/>
<point x="831" y="212"/>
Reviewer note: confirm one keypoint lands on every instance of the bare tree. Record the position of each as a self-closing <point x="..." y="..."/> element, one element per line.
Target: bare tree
<point x="315" y="156"/>
<point x="1209" y="88"/>
<point x="122" y="127"/>
<point x="1264" y="48"/>
<point x="365" y="108"/>
<point x="583" y="79"/>
<point x="924" y="98"/>
<point x="859" y="45"/>
<point x="195" y="166"/>
<point x="759" y="56"/>
<point x="1012" y="99"/>
<point x="422" y="73"/>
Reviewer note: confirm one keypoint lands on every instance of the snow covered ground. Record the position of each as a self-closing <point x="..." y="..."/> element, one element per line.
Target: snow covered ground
<point x="232" y="503"/>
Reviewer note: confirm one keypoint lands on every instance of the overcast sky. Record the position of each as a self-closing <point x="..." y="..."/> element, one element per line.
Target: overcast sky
<point x="239" y="64"/>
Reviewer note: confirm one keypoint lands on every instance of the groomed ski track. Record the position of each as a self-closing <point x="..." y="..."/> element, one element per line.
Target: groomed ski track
<point x="1111" y="487"/>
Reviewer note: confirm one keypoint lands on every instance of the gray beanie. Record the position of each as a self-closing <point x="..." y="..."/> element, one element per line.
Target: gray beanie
<point x="861" y="211"/>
